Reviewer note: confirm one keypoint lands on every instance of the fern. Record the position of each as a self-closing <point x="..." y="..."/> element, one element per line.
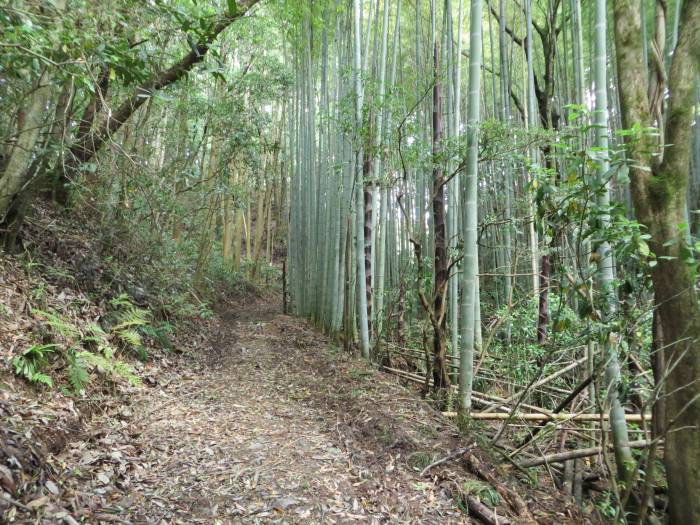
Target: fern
<point x="130" y="321"/>
<point x="483" y="491"/>
<point x="38" y="377"/>
<point x="60" y="325"/>
<point x="110" y="367"/>
<point x="132" y="316"/>
<point x="96" y="330"/>
<point x="130" y="336"/>
<point x="78" y="374"/>
<point x="121" y="300"/>
<point x="30" y="363"/>
<point x="159" y="333"/>
<point x="125" y="371"/>
<point x="87" y="351"/>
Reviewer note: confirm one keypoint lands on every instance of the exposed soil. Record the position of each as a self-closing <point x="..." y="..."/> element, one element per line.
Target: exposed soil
<point x="269" y="425"/>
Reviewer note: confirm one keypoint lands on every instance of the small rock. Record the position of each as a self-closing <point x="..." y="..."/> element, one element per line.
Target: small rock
<point x="284" y="503"/>
<point x="52" y="487"/>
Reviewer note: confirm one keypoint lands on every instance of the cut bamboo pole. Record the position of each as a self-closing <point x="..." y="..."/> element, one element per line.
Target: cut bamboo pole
<point x="539" y="383"/>
<point x="493" y="416"/>
<point x="478" y="397"/>
<point x="573" y="454"/>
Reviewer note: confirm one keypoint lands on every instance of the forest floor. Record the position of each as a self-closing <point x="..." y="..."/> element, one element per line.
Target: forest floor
<point x="268" y="428"/>
<point x="272" y="425"/>
<point x="257" y="418"/>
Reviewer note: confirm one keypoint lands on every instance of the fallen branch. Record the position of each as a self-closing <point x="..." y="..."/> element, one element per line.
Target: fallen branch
<point x="484" y="513"/>
<point x="14" y="502"/>
<point x="479" y="397"/>
<point x="510" y="496"/>
<point x="538" y="383"/>
<point x="459" y="453"/>
<point x="560" y="407"/>
<point x="573" y="454"/>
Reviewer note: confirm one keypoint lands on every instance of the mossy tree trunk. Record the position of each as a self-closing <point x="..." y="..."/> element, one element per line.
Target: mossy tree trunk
<point x="659" y="188"/>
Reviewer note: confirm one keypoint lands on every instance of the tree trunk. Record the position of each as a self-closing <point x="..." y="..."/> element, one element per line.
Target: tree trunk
<point x="17" y="175"/>
<point x="659" y="190"/>
<point x="606" y="264"/>
<point x="368" y="199"/>
<point x="359" y="186"/>
<point x="441" y="377"/>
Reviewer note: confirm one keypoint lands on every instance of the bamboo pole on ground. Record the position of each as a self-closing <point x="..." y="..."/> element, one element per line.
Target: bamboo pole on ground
<point x="560" y="457"/>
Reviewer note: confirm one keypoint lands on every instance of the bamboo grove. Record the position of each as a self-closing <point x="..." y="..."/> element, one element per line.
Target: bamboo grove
<point x="478" y="203"/>
<point x="498" y="201"/>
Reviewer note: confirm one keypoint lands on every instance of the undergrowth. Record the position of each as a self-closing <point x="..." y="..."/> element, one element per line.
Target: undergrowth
<point x="80" y="353"/>
<point x="101" y="293"/>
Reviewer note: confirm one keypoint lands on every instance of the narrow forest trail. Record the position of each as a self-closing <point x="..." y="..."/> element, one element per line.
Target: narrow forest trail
<point x="262" y="431"/>
<point x="270" y="425"/>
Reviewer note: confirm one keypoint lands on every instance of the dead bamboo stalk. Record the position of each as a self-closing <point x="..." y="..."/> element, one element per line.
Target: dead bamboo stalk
<point x="539" y="383"/>
<point x="479" y="397"/>
<point x="493" y="416"/>
<point x="574" y="454"/>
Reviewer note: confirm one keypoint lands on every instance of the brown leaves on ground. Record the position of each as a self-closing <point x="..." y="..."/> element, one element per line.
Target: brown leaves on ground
<point x="269" y="425"/>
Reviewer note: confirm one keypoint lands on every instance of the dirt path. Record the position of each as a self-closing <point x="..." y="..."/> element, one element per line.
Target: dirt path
<point x="267" y="423"/>
<point x="271" y="428"/>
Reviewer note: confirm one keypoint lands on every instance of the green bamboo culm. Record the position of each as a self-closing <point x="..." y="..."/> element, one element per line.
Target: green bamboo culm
<point x="469" y="213"/>
<point x="606" y="264"/>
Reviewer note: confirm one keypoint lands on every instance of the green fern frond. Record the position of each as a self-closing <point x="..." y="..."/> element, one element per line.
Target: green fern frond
<point x="60" y="325"/>
<point x="29" y="364"/>
<point x="125" y="371"/>
<point x="483" y="491"/>
<point x="91" y="360"/>
<point x="39" y="352"/>
<point x="78" y="374"/>
<point x="131" y="337"/>
<point x="107" y="351"/>
<point x="96" y="330"/>
<point x="38" y="377"/>
<point x="121" y="300"/>
<point x="109" y="366"/>
<point x="131" y="317"/>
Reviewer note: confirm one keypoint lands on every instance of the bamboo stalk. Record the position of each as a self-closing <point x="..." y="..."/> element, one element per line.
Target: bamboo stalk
<point x="479" y="397"/>
<point x="493" y="416"/>
<point x="573" y="454"/>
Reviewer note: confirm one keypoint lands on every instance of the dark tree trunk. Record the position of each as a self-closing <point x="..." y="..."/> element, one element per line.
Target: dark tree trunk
<point x="659" y="190"/>
<point x="367" y="192"/>
<point x="441" y="377"/>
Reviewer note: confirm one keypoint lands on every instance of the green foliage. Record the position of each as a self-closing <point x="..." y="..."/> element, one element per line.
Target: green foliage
<point x="31" y="363"/>
<point x="78" y="375"/>
<point x="85" y="351"/>
<point x="419" y="460"/>
<point x="130" y="321"/>
<point x="61" y="325"/>
<point x="107" y="366"/>
<point x="483" y="491"/>
<point x="518" y="359"/>
<point x="607" y="505"/>
<point x="159" y="332"/>
<point x="205" y="312"/>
